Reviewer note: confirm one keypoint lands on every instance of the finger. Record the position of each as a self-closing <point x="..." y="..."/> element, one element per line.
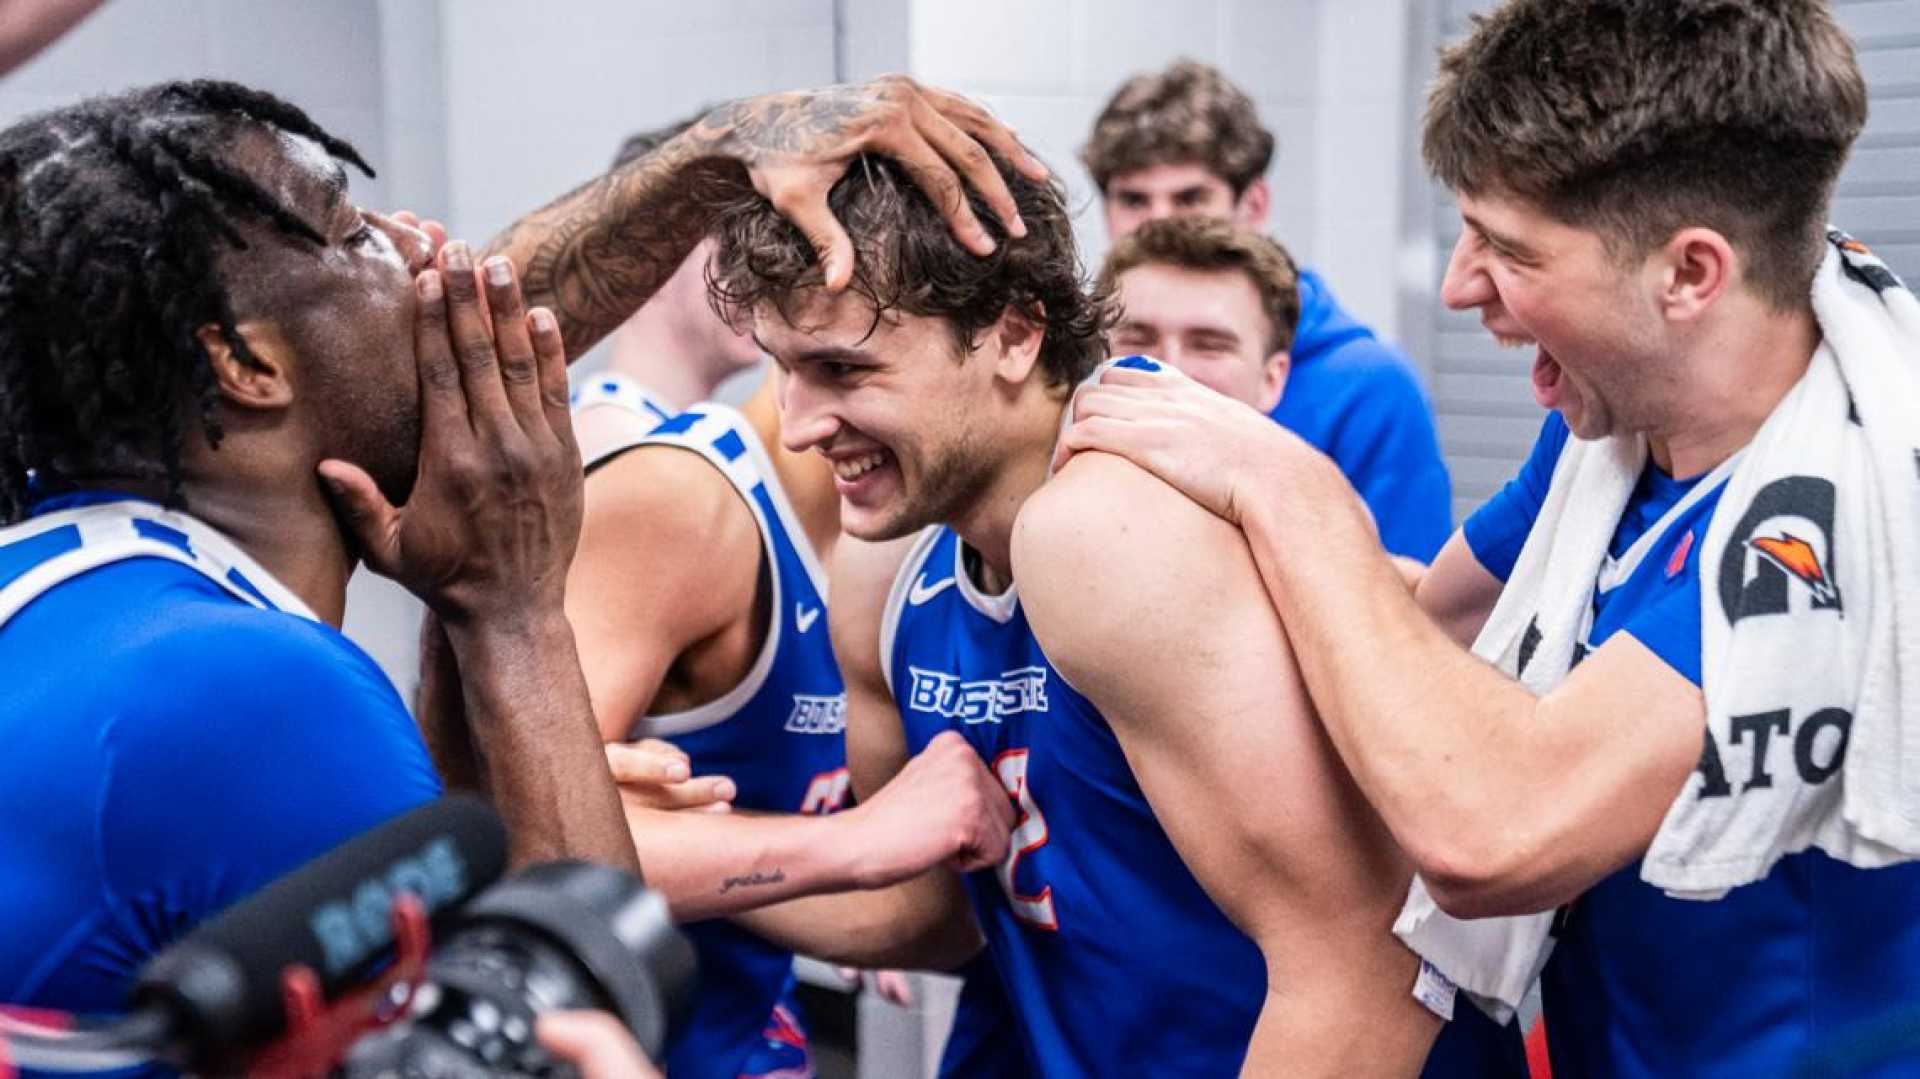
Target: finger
<point x="443" y="408"/>
<point x="976" y="120"/>
<point x="932" y="174"/>
<point x="635" y="765"/>
<point x="807" y="209"/>
<point x="513" y="345"/>
<point x="710" y="793"/>
<point x="595" y="1043"/>
<point x="663" y="747"/>
<point x="894" y="987"/>
<point x="467" y="326"/>
<point x="550" y="357"/>
<point x="436" y="232"/>
<point x="971" y="160"/>
<point x="369" y="517"/>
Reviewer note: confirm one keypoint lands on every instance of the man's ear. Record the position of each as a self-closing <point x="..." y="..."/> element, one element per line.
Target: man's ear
<point x="1273" y="379"/>
<point x="256" y="379"/>
<point x="1696" y="267"/>
<point x="1016" y="339"/>
<point x="1254" y="205"/>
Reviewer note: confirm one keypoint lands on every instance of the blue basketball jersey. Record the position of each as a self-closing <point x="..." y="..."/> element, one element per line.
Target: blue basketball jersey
<point x="1116" y="961"/>
<point x="180" y="730"/>
<point x="1814" y="969"/>
<point x="779" y="734"/>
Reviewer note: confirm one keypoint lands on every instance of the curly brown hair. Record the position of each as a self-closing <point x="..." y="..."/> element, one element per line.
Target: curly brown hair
<point x="1207" y="244"/>
<point x="1642" y="117"/>
<point x="907" y="259"/>
<point x="1189" y="113"/>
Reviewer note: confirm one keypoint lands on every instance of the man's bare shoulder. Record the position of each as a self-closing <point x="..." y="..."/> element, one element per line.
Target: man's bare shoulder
<point x="1111" y="527"/>
<point x="668" y="513"/>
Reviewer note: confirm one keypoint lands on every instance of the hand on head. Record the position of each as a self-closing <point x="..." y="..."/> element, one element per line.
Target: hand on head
<point x="797" y="145"/>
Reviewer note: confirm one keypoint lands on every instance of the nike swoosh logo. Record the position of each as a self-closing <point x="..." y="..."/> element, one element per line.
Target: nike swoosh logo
<point x="922" y="592"/>
<point x="804" y="616"/>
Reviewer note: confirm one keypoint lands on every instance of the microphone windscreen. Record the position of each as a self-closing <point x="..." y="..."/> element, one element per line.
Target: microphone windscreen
<point x="222" y="982"/>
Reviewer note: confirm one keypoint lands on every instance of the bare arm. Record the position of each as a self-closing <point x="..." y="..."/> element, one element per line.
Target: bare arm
<point x="597" y="253"/>
<point x="1507" y="802"/>
<point x="666" y="563"/>
<point x="1222" y="738"/>
<point x="924" y="921"/>
<point x="1457" y="592"/>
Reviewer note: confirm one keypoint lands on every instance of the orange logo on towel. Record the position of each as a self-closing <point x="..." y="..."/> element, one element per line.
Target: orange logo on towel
<point x="1799" y="560"/>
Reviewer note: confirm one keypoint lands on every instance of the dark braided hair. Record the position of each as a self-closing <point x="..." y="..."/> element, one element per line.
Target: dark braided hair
<point x="114" y="214"/>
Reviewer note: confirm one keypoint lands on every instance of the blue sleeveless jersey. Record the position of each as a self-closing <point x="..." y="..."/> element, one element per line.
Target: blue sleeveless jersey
<point x="1814" y="969"/>
<point x="620" y="391"/>
<point x="179" y="730"/>
<point x="1116" y="961"/>
<point x="779" y="734"/>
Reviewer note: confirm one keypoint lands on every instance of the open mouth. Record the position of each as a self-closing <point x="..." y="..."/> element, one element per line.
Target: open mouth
<point x="859" y="477"/>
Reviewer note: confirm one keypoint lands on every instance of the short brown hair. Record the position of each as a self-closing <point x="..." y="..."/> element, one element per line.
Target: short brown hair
<point x="907" y="259"/>
<point x="1188" y="113"/>
<point x="1642" y="117"/>
<point x="1208" y="244"/>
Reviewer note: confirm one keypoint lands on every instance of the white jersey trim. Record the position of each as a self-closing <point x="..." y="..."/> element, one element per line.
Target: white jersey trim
<point x="905" y="581"/>
<point x="108" y="535"/>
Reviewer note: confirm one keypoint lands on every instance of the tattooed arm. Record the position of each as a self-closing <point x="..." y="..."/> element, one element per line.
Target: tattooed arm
<point x="595" y="254"/>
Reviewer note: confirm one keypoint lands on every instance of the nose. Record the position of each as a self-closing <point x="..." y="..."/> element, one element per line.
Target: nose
<point x="1467" y="284"/>
<point x="1159" y="209"/>
<point x="806" y="415"/>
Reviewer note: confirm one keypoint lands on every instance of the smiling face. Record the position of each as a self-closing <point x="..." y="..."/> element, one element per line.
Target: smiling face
<point x="1134" y="198"/>
<point x="344" y="311"/>
<point x="903" y="413"/>
<point x="1600" y="357"/>
<point x="1207" y="323"/>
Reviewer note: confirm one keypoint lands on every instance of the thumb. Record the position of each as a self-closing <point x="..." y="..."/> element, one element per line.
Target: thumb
<point x="371" y="519"/>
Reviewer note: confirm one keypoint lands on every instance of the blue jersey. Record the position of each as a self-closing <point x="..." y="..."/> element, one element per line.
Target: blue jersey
<point x="1817" y="966"/>
<point x="1359" y="401"/>
<point x="179" y="731"/>
<point x="984" y="1042"/>
<point x="1115" y="959"/>
<point x="779" y="734"/>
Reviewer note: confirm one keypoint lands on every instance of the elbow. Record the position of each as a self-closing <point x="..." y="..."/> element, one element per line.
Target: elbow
<point x="1479" y="877"/>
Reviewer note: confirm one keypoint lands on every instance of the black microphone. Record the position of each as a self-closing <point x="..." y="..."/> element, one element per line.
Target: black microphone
<point x="220" y="986"/>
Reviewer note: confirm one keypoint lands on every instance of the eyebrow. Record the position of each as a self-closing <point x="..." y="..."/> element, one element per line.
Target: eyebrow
<point x="1498" y="239"/>
<point x="818" y="354"/>
<point x="335" y="184"/>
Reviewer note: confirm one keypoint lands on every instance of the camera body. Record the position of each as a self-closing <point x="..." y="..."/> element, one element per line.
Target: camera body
<point x="562" y="935"/>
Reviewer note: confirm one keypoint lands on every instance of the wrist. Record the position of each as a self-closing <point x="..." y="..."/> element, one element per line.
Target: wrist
<point x="847" y="845"/>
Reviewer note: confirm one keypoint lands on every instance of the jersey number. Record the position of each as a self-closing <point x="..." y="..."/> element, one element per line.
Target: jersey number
<point x="827" y="792"/>
<point x="1029" y="834"/>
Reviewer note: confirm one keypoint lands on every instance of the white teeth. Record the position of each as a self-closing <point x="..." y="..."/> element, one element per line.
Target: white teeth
<point x="1508" y="341"/>
<point x="854" y="467"/>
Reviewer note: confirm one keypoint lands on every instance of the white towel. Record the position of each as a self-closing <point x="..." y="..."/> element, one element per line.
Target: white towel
<point x="1814" y="551"/>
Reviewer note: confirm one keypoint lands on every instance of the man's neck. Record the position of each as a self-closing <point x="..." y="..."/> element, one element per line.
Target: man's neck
<point x="288" y="528"/>
<point x="649" y="351"/>
<point x="987" y="524"/>
<point x="1741" y="371"/>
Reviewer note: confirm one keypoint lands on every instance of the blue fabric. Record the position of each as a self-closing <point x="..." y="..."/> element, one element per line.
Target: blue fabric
<point x="170" y="749"/>
<point x="1359" y="401"/>
<point x="1817" y="965"/>
<point x="985" y="1040"/>
<point x="1114" y="958"/>
<point x="785" y="751"/>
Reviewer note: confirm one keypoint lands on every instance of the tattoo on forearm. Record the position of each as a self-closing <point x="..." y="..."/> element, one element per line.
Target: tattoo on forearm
<point x="595" y="254"/>
<point x="752" y="880"/>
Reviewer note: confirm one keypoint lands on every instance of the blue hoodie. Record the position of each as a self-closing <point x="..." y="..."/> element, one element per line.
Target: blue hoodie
<point x="1359" y="401"/>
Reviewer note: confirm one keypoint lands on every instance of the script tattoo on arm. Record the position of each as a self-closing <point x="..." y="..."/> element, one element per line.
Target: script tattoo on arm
<point x="594" y="255"/>
<point x="751" y="880"/>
